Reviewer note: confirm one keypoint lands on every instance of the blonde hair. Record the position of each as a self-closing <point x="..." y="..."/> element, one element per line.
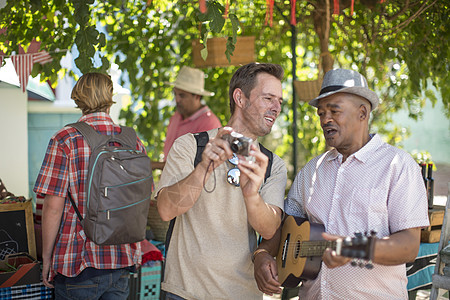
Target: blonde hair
<point x="93" y="93"/>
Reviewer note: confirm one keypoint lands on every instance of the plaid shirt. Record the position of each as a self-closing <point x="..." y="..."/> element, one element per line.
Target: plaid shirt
<point x="64" y="169"/>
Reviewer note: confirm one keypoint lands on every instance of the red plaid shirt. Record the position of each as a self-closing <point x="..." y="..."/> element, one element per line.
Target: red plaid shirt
<point x="64" y="169"/>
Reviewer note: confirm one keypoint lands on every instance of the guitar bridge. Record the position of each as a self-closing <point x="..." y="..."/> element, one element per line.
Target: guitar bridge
<point x="285" y="249"/>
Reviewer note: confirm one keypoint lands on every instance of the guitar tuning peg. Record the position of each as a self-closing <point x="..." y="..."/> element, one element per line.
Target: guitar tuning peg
<point x="364" y="240"/>
<point x="360" y="254"/>
<point x="369" y="265"/>
<point x="347" y="241"/>
<point x="361" y="264"/>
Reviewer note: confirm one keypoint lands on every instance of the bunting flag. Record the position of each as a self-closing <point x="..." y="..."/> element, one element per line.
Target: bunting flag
<point x="23" y="63"/>
<point x="42" y="57"/>
<point x="1" y="56"/>
<point x="293" y="19"/>
<point x="227" y="8"/>
<point x="202" y="4"/>
<point x="269" y="12"/>
<point x="336" y="7"/>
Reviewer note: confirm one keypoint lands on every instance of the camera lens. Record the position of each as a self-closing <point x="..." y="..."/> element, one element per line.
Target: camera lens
<point x="236" y="146"/>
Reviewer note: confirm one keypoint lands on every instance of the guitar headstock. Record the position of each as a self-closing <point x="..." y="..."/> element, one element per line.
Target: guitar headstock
<point x="360" y="248"/>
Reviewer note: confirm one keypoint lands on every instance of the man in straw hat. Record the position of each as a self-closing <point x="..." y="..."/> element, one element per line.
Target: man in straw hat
<point x="361" y="184"/>
<point x="217" y="206"/>
<point x="192" y="115"/>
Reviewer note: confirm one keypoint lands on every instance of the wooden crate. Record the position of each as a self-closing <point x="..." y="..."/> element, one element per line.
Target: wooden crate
<point x="244" y="52"/>
<point x="432" y="233"/>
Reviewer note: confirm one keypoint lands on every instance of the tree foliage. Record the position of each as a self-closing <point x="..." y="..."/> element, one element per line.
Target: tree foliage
<point x="402" y="46"/>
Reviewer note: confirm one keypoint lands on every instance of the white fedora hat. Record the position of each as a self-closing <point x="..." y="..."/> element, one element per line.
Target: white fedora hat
<point x="191" y="80"/>
<point x="345" y="81"/>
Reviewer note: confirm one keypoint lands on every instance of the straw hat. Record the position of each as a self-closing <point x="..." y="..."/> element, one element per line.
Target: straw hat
<point x="345" y="81"/>
<point x="191" y="80"/>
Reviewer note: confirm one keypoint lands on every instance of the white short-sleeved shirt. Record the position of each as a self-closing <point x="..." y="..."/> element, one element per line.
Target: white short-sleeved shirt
<point x="377" y="188"/>
<point x="209" y="256"/>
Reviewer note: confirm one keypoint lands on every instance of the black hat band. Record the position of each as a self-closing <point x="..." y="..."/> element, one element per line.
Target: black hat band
<point x="331" y="88"/>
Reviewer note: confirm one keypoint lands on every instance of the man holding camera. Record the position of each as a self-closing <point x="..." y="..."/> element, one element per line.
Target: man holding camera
<point x="221" y="202"/>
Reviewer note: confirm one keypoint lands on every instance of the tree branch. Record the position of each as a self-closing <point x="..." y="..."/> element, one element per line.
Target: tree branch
<point x="400" y="12"/>
<point x="405" y="23"/>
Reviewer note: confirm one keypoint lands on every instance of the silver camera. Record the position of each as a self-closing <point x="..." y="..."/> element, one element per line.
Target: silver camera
<point x="239" y="144"/>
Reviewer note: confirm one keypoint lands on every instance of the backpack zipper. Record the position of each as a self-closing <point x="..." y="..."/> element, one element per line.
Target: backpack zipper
<point x="108" y="211"/>
<point x="95" y="164"/>
<point x="105" y="190"/>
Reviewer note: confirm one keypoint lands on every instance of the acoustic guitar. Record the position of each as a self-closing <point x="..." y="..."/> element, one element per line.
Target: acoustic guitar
<point x="302" y="246"/>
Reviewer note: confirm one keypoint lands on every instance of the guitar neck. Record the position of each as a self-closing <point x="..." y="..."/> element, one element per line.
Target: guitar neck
<point x="315" y="248"/>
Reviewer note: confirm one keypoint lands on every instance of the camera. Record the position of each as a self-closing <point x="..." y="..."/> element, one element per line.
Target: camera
<point x="239" y="144"/>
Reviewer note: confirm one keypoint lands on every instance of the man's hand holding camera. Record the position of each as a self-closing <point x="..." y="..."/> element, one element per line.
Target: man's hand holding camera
<point x="217" y="150"/>
<point x="252" y="172"/>
<point x="252" y="163"/>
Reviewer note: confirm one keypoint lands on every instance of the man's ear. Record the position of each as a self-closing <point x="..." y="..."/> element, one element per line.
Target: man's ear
<point x="238" y="97"/>
<point x="363" y="112"/>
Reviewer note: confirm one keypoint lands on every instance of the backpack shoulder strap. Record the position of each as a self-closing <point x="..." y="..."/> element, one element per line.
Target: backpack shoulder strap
<point x="269" y="154"/>
<point x="202" y="139"/>
<point x="92" y="137"/>
<point x="126" y="136"/>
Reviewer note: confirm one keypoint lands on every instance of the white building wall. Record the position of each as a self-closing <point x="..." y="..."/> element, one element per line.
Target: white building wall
<point x="14" y="140"/>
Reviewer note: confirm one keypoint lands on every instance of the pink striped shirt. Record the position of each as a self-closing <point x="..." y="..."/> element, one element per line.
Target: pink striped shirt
<point x="377" y="188"/>
<point x="202" y="120"/>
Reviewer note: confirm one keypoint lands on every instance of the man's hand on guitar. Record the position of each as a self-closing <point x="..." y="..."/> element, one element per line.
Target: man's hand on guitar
<point x="330" y="257"/>
<point x="266" y="274"/>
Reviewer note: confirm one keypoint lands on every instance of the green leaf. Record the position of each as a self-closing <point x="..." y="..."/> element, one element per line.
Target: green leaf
<point x="84" y="63"/>
<point x="204" y="53"/>
<point x="229" y="48"/>
<point x="234" y="25"/>
<point x="215" y="14"/>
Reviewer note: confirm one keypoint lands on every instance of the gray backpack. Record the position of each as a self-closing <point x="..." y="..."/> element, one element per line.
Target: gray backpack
<point x="118" y="187"/>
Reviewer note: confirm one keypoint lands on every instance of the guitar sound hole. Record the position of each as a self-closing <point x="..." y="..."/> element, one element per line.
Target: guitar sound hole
<point x="297" y="249"/>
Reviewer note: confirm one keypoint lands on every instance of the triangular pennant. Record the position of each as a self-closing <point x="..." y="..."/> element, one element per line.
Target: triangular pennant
<point x="269" y="12"/>
<point x="23" y="64"/>
<point x="42" y="57"/>
<point x="1" y="58"/>
<point x="336" y="7"/>
<point x="293" y="18"/>
<point x="227" y="8"/>
<point x="202" y="4"/>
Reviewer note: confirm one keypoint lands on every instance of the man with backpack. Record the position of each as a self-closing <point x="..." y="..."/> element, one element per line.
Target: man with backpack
<point x="220" y="190"/>
<point x="81" y="262"/>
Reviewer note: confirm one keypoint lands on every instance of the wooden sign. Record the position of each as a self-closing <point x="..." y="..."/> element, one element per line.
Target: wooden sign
<point x="244" y="52"/>
<point x="17" y="229"/>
